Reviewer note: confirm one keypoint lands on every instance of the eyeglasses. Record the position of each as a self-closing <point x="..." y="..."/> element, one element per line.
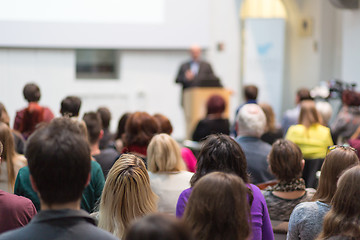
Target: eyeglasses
<point x="330" y="148"/>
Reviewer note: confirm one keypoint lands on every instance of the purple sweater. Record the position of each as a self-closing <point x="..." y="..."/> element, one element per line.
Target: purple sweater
<point x="260" y="221"/>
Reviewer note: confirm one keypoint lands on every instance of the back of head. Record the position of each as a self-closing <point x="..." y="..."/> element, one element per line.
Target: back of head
<point x="325" y="111"/>
<point x="270" y="117"/>
<point x="250" y="92"/>
<point x="251" y="121"/>
<point x="4" y="116"/>
<point x="285" y="160"/>
<point x="93" y="125"/>
<point x="344" y="217"/>
<point x="105" y="116"/>
<point x="139" y="129"/>
<point x="159" y="227"/>
<point x="8" y="153"/>
<point x="121" y="125"/>
<point x="127" y="195"/>
<point x="70" y="106"/>
<point x="351" y="98"/>
<point x="303" y="94"/>
<point x="218" y="208"/>
<point x="59" y="161"/>
<point x="222" y="154"/>
<point x="31" y="92"/>
<point x="164" y="123"/>
<point x="308" y="114"/>
<point x="336" y="161"/>
<point x="215" y="105"/>
<point x="163" y="154"/>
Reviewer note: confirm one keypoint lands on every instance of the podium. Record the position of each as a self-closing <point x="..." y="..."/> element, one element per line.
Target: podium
<point x="195" y="105"/>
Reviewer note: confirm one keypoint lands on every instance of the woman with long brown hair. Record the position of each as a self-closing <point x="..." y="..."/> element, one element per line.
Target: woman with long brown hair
<point x="127" y="195"/>
<point x="307" y="218"/>
<point x="313" y="139"/>
<point x="222" y="214"/>
<point x="11" y="161"/>
<point x="342" y="222"/>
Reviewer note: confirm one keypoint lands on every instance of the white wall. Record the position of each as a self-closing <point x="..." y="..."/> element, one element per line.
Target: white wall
<point x="146" y="81"/>
<point x="351" y="46"/>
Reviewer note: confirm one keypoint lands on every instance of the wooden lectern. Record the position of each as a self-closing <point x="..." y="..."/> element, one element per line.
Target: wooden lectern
<point x="195" y="105"/>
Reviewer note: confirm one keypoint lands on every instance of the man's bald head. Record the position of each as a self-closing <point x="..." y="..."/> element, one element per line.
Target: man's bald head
<point x="195" y="52"/>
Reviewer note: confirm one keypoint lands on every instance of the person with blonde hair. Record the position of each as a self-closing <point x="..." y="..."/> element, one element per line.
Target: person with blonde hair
<point x="272" y="132"/>
<point x="11" y="161"/>
<point x="343" y="220"/>
<point x="167" y="171"/>
<point x="313" y="139"/>
<point x="218" y="208"/>
<point x="307" y="218"/>
<point x="127" y="195"/>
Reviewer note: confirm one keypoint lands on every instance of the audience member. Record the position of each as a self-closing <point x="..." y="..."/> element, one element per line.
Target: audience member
<point x="19" y="141"/>
<point x="313" y="139"/>
<point x="18" y="210"/>
<point x="159" y="227"/>
<point x="348" y="119"/>
<point x="286" y="163"/>
<point x="307" y="218"/>
<point x="214" y="122"/>
<point x="70" y="106"/>
<point x="119" y="144"/>
<point x="11" y="161"/>
<point x="250" y="94"/>
<point x="140" y="127"/>
<point x="28" y="118"/>
<point x="218" y="208"/>
<point x="105" y="157"/>
<point x="291" y="116"/>
<point x="221" y="153"/>
<point x="272" y="132"/>
<point x="127" y="195"/>
<point x="91" y="194"/>
<point x="59" y="173"/>
<point x="105" y="115"/>
<point x="168" y="177"/>
<point x="186" y="154"/>
<point x="251" y="122"/>
<point x="343" y="220"/>
<point x="325" y="111"/>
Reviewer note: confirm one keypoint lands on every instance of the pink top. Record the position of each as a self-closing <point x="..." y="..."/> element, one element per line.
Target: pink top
<point x="189" y="159"/>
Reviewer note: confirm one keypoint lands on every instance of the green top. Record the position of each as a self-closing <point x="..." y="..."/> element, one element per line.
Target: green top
<point x="90" y="197"/>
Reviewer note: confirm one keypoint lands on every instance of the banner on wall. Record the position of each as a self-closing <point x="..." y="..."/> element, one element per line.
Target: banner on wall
<point x="264" y="44"/>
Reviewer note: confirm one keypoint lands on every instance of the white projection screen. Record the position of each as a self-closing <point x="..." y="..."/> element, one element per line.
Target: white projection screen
<point x="136" y="24"/>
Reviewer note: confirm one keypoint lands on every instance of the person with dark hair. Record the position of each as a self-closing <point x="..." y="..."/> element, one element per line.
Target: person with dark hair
<point x="118" y="142"/>
<point x="218" y="208"/>
<point x="140" y="127"/>
<point x="286" y="163"/>
<point x="70" y="106"/>
<point x="306" y="220"/>
<point x="18" y="210"/>
<point x="59" y="162"/>
<point x="348" y="119"/>
<point x="28" y="118"/>
<point x="213" y="122"/>
<point x="222" y="154"/>
<point x="159" y="227"/>
<point x="92" y="192"/>
<point x="291" y="116"/>
<point x="105" y="157"/>
<point x="343" y="220"/>
<point x="105" y="115"/>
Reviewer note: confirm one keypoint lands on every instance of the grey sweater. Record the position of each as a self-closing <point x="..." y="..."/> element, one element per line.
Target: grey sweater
<point x="306" y="220"/>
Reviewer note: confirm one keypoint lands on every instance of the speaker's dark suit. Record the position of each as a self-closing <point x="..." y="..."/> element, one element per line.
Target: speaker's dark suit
<point x="205" y="73"/>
